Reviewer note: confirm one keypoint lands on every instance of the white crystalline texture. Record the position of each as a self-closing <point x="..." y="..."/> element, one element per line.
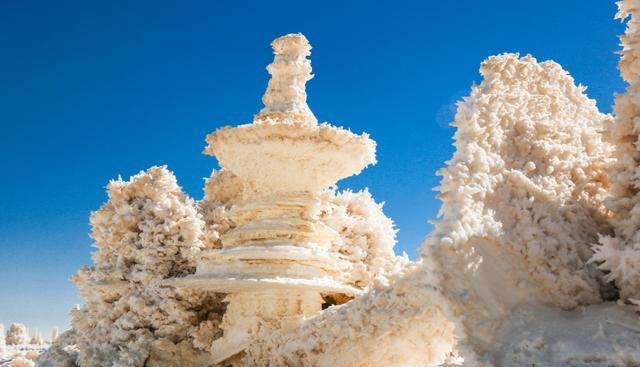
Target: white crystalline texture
<point x="221" y="190"/>
<point x="367" y="235"/>
<point x="599" y="335"/>
<point x="17" y="334"/>
<point x="364" y="245"/>
<point x="540" y="214"/>
<point x="619" y="255"/>
<point x="522" y="202"/>
<point x="55" y="333"/>
<point x="22" y="355"/>
<point x="20" y="350"/>
<point x="21" y="362"/>
<point x="36" y="338"/>
<point x="3" y="343"/>
<point x="286" y="98"/>
<point x="145" y="233"/>
<point x="284" y="149"/>
<point x="522" y="197"/>
<point x="62" y="353"/>
<point x="404" y="324"/>
<point x="276" y="240"/>
<point x="368" y="238"/>
<point x="529" y="175"/>
<point x="302" y="157"/>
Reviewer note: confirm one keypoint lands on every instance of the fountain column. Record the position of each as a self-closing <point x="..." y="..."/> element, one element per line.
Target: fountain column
<point x="276" y="264"/>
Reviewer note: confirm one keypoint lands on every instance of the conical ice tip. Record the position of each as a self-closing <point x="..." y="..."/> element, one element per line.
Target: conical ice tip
<point x="285" y="100"/>
<point x="291" y="46"/>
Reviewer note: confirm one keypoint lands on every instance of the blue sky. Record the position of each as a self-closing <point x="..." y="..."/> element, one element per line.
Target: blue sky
<point x="93" y="90"/>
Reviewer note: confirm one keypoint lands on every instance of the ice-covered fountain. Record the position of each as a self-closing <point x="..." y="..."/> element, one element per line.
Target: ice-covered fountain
<point x="276" y="265"/>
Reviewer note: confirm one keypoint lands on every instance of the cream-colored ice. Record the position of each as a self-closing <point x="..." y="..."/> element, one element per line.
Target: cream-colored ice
<point x="145" y="233"/>
<point x="508" y="269"/>
<point x="276" y="261"/>
<point x="276" y="247"/>
<point x="522" y="204"/>
<point x="405" y="323"/>
<point x="286" y="98"/>
<point x="284" y="150"/>
<point x="619" y="255"/>
<point x="17" y="334"/>
<point x="522" y="198"/>
<point x="3" y="343"/>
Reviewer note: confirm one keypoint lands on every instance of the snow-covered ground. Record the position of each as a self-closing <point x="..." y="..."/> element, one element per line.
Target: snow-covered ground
<point x="23" y="355"/>
<point x="511" y="275"/>
<point x="606" y="334"/>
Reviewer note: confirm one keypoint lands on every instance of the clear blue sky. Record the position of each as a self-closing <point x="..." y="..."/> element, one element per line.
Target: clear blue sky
<point x="90" y="90"/>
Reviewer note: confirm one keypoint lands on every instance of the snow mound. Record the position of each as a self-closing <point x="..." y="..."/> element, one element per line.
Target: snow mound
<point x="522" y="197"/>
<point x="145" y="233"/>
<point x="605" y="334"/>
<point x="619" y="255"/>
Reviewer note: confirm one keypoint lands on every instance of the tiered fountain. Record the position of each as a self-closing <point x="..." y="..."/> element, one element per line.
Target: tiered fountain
<point x="276" y="265"/>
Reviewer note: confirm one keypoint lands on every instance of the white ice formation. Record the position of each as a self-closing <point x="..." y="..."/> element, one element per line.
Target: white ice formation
<point x="55" y="333"/>
<point x="17" y="334"/>
<point x="281" y="260"/>
<point x="36" y="338"/>
<point x="145" y="233"/>
<point x="522" y="198"/>
<point x="619" y="255"/>
<point x="21" y="362"/>
<point x="405" y="323"/>
<point x="3" y="344"/>
<point x="20" y="350"/>
<point x="286" y="98"/>
<point x="536" y="240"/>
<point x="604" y="334"/>
<point x="62" y="353"/>
<point x="516" y="228"/>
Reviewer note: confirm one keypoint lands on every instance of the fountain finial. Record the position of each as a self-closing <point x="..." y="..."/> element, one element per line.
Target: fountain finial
<point x="285" y="100"/>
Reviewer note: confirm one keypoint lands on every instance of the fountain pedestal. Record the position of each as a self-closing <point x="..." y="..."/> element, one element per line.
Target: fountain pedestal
<point x="276" y="264"/>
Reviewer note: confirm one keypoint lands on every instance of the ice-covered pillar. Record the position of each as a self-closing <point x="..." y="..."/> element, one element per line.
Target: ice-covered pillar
<point x="3" y="345"/>
<point x="286" y="97"/>
<point x="55" y="332"/>
<point x="275" y="265"/>
<point x="36" y="338"/>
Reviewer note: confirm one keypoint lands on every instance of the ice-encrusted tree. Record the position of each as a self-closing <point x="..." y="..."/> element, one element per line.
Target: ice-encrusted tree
<point x="145" y="233"/>
<point x="620" y="254"/>
<point x="63" y="352"/>
<point x="522" y="203"/>
<point x="55" y="333"/>
<point x="3" y="346"/>
<point x="522" y="198"/>
<point x="36" y="338"/>
<point x="21" y="361"/>
<point x="528" y="176"/>
<point x="17" y="334"/>
<point x="368" y="237"/>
